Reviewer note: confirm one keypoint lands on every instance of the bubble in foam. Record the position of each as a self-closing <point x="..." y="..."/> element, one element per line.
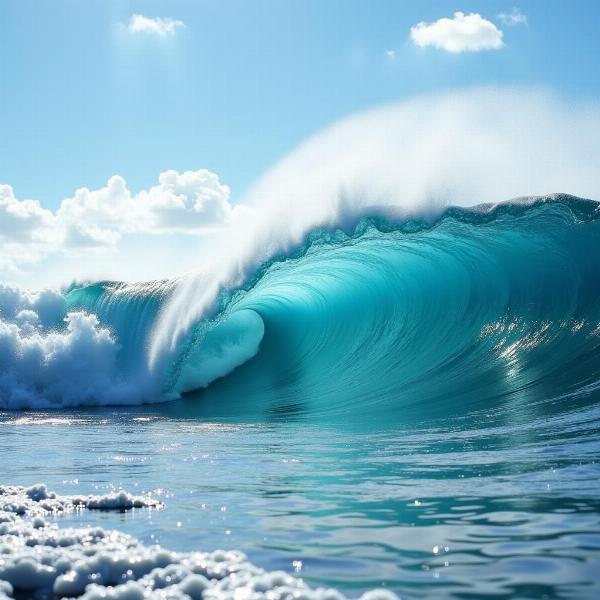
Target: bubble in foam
<point x="52" y="358"/>
<point x="42" y="560"/>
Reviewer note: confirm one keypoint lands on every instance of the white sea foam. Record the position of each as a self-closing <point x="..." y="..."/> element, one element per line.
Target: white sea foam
<point x="51" y="359"/>
<point x="6" y="590"/>
<point x="40" y="559"/>
<point x="44" y="307"/>
<point x="38" y="501"/>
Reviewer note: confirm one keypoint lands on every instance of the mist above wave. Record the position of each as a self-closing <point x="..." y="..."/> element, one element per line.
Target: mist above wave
<point x="407" y="160"/>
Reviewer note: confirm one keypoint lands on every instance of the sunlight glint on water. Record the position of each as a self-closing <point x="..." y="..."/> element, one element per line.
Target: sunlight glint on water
<point x="463" y="507"/>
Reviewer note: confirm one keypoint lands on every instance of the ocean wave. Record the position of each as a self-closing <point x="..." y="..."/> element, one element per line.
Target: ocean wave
<point x="471" y="305"/>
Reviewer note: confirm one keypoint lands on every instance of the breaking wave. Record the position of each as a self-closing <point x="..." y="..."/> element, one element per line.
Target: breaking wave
<point x="492" y="303"/>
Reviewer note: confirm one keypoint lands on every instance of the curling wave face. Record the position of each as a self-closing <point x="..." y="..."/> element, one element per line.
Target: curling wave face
<point x="494" y="303"/>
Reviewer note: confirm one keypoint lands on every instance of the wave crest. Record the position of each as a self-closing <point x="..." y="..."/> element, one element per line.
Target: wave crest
<point x="473" y="305"/>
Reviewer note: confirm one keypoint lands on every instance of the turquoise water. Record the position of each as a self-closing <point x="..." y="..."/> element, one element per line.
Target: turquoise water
<point x="461" y="507"/>
<point x="411" y="405"/>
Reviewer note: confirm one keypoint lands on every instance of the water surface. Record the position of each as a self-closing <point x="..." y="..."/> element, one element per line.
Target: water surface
<point x="463" y="507"/>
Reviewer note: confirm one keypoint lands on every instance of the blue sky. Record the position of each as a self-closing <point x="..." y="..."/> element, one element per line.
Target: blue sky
<point x="133" y="131"/>
<point x="242" y="83"/>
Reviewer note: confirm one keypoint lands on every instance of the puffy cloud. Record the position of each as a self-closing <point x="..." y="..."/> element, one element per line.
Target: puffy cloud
<point x="191" y="202"/>
<point x="161" y="27"/>
<point x="27" y="230"/>
<point x="514" y="17"/>
<point x="461" y="33"/>
<point x="22" y="220"/>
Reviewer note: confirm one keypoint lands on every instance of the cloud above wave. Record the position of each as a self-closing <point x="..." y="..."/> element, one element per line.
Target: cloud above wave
<point x="157" y="26"/>
<point x="190" y="202"/>
<point x="461" y="33"/>
<point x="512" y="18"/>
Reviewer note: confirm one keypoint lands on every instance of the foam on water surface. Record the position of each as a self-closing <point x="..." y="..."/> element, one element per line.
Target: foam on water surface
<point x="42" y="560"/>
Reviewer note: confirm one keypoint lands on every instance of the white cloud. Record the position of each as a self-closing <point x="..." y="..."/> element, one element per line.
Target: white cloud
<point x="514" y="17"/>
<point x="191" y="202"/>
<point x="391" y="54"/>
<point x="162" y="27"/>
<point x="27" y="230"/>
<point x="22" y="220"/>
<point x="461" y="33"/>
